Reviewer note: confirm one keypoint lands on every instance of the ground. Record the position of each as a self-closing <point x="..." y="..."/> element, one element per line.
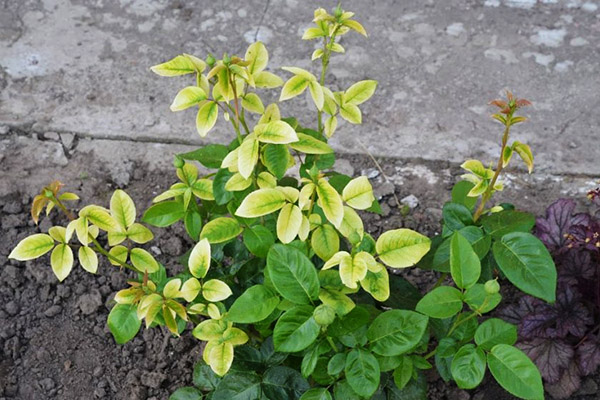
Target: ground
<point x="79" y="104"/>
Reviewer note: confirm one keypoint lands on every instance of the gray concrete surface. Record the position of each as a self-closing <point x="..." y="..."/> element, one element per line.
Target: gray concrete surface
<point x="75" y="79"/>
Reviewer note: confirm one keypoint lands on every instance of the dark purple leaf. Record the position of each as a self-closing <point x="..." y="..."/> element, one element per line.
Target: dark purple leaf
<point x="575" y="266"/>
<point x="572" y="316"/>
<point x="541" y="323"/>
<point x="585" y="236"/>
<point x="551" y="356"/>
<point x="559" y="219"/>
<point x="514" y="313"/>
<point x="588" y="355"/>
<point x="568" y="383"/>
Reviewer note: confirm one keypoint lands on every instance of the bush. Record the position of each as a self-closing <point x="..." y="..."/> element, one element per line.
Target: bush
<point x="285" y="286"/>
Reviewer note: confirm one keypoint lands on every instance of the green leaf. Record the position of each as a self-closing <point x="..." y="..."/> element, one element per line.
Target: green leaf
<point x="351" y="113"/>
<point x="464" y="263"/>
<point x="254" y="305"/>
<point x="211" y="156"/>
<point x="99" y="217"/>
<point x="295" y="330"/>
<point x="331" y="202"/>
<point x="468" y="366"/>
<point x="336" y="364"/>
<point x="476" y="296"/>
<point x="31" y="247"/>
<point x="180" y="65"/>
<point x="325" y="241"/>
<point x="316" y="394"/>
<point x="360" y="92"/>
<point x="204" y="378"/>
<point x="261" y="202"/>
<point x="377" y="284"/>
<point x="358" y="193"/>
<point x="442" y="302"/>
<point x="495" y="331"/>
<point x="258" y="239"/>
<point x="293" y="274"/>
<point x="61" y="260"/>
<point x="143" y="261"/>
<point x="123" y="322"/>
<point x="193" y="224"/>
<point x="507" y="221"/>
<point x="293" y="87"/>
<point x="401" y="248"/>
<point x="238" y="385"/>
<point x="403" y="372"/>
<point x="309" y="145"/>
<point x="524" y="152"/>
<point x="221" y="230"/>
<point x="252" y="103"/>
<point x="515" y="372"/>
<point x="222" y="196"/>
<point x="188" y="97"/>
<point x="362" y="372"/>
<point x="215" y="290"/>
<point x="164" y="214"/>
<point x="258" y="56"/>
<point x="186" y="393"/>
<point x="206" y="117"/>
<point x="283" y="383"/>
<point x="460" y="194"/>
<point x="122" y="208"/>
<point x="456" y="216"/>
<point x="527" y="264"/>
<point x="395" y="332"/>
<point x="276" y="158"/>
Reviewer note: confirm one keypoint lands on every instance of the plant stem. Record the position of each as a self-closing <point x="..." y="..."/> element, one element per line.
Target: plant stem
<point x="440" y="280"/>
<point x="457" y="323"/>
<point x="332" y="344"/>
<point x="324" y="64"/>
<point x="487" y="195"/>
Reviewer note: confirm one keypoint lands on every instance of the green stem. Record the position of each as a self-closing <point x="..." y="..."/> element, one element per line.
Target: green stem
<point x="440" y="280"/>
<point x="332" y="344"/>
<point x="324" y="65"/>
<point x="457" y="323"/>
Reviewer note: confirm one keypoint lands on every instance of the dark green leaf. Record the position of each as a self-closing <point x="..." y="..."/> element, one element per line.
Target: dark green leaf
<point x="459" y="194"/>
<point x="362" y="372"/>
<point x="403" y="372"/>
<point x="275" y="158"/>
<point x="186" y="393"/>
<point x="351" y="329"/>
<point x="495" y="331"/>
<point x="164" y="213"/>
<point x="456" y="216"/>
<point x="316" y="394"/>
<point x="238" y="385"/>
<point x="527" y="264"/>
<point x="295" y="330"/>
<point x="336" y="364"/>
<point x="395" y="332"/>
<point x="503" y="222"/>
<point x="468" y="366"/>
<point x="222" y="196"/>
<point x="283" y="383"/>
<point x="515" y="372"/>
<point x="464" y="263"/>
<point x="193" y="224"/>
<point x="204" y="377"/>
<point x="441" y="302"/>
<point x="258" y="239"/>
<point x="254" y="305"/>
<point x="211" y="156"/>
<point x="293" y="274"/>
<point x="343" y="390"/>
<point x="416" y="389"/>
<point x="123" y="322"/>
<point x="403" y="295"/>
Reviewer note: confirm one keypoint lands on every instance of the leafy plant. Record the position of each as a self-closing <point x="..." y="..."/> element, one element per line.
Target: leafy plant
<point x="562" y="338"/>
<point x="290" y="294"/>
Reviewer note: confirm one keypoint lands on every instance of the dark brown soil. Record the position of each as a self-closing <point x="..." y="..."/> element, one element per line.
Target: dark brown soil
<point x="54" y="342"/>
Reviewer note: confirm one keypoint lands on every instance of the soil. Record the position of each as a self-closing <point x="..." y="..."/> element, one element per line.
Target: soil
<point x="53" y="336"/>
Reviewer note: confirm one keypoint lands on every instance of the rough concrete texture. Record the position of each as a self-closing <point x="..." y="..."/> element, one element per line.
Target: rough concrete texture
<point x="74" y="78"/>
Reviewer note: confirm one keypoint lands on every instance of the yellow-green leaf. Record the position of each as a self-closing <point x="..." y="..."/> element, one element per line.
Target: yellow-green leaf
<point x="477" y="168"/>
<point x="305" y="195"/>
<point x="257" y="56"/>
<point x="100" y="217"/>
<point x="355" y="26"/>
<point x="358" y="193"/>
<point x="276" y="132"/>
<point x="288" y="223"/>
<point x="330" y="201"/>
<point x="59" y="233"/>
<point x="171" y="289"/>
<point x="118" y="253"/>
<point x="220" y="357"/>
<point x="524" y="151"/>
<point x="247" y="156"/>
<point x="377" y="284"/>
<point x="210" y="330"/>
<point x="271" y="113"/>
<point x="341" y="303"/>
<point x="261" y="202"/>
<point x="316" y="92"/>
<point x="304" y="228"/>
<point x="139" y="233"/>
<point x="336" y="259"/>
<point x="215" y="290"/>
<point x="122" y="208"/>
<point x="401" y="248"/>
<point x="32" y="247"/>
<point x="88" y="259"/>
<point x="143" y="261"/>
<point x="253" y="103"/>
<point x="235" y="336"/>
<point x="300" y="72"/>
<point x="207" y="117"/>
<point x="351" y="113"/>
<point x="203" y="189"/>
<point x="180" y="65"/>
<point x="268" y="80"/>
<point x="265" y="180"/>
<point x="325" y="241"/>
<point x="188" y="97"/>
<point x="190" y="289"/>
<point x="330" y="125"/>
<point x="293" y="87"/>
<point x="199" y="261"/>
<point x="310" y="145"/>
<point x="291" y="193"/>
<point x="61" y="261"/>
<point x="351" y="223"/>
<point x="237" y="183"/>
<point x="221" y="230"/>
<point x="318" y="53"/>
<point x="360" y="92"/>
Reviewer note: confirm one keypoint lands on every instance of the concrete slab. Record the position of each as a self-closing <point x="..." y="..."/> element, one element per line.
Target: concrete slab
<point x="81" y="67"/>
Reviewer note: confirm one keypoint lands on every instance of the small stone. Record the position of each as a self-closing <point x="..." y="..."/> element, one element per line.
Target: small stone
<point x="371" y="173"/>
<point x="12" y="308"/>
<point x="411" y="201"/>
<point x="67" y="139"/>
<point x="90" y="302"/>
<point x="97" y="371"/>
<point x="53" y="311"/>
<point x="385" y="189"/>
<point x="4" y="129"/>
<point x="156" y="250"/>
<point x="47" y="384"/>
<point x="51" y="136"/>
<point x="344" y="167"/>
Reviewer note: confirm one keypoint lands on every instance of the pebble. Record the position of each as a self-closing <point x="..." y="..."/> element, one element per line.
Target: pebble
<point x="411" y="201"/>
<point x="371" y="173"/>
<point x="51" y="136"/>
<point x="12" y="308"/>
<point x="67" y="139"/>
<point x="344" y="167"/>
<point x="385" y="189"/>
<point x="90" y="302"/>
<point x="47" y="384"/>
<point x="53" y="311"/>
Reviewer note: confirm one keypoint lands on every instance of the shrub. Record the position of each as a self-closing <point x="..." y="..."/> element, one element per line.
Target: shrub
<point x="287" y="289"/>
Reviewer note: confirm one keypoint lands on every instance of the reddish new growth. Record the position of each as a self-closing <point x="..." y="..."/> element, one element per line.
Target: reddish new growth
<point x="511" y="104"/>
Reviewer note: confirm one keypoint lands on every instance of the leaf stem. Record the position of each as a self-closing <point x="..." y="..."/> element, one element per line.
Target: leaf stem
<point x="324" y="65"/>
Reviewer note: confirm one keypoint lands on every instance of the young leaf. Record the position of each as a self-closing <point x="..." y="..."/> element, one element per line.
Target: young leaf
<point x="207" y="117"/>
<point x="247" y="156"/>
<point x="123" y="322"/>
<point x="358" y="193"/>
<point x="293" y="87"/>
<point x="330" y="125"/>
<point x="215" y="290"/>
<point x="360" y="92"/>
<point x="99" y="217"/>
<point x="180" y="65"/>
<point x="288" y="223"/>
<point x="516" y="373"/>
<point x="464" y="262"/>
<point x="362" y="372"/>
<point x="456" y="216"/>
<point x="495" y="331"/>
<point x="442" y="302"/>
<point x="199" y="261"/>
<point x="395" y="332"/>
<point x="293" y="274"/>
<point x="295" y="330"/>
<point x="254" y="305"/>
<point x="258" y="56"/>
<point x="220" y="357"/>
<point x="31" y="247"/>
<point x="190" y="289"/>
<point x="88" y="259"/>
<point x="188" y="97"/>
<point x="309" y="145"/>
<point x="143" y="261"/>
<point x="261" y="202"/>
<point x="61" y="260"/>
<point x="316" y="92"/>
<point x="401" y="248"/>
<point x="351" y="113"/>
<point x="252" y="103"/>
<point x="275" y="132"/>
<point x="527" y="264"/>
<point x="468" y="366"/>
<point x="122" y="208"/>
<point x="221" y="230"/>
<point x="325" y="241"/>
<point x="355" y="26"/>
<point x="164" y="214"/>
<point x="524" y="151"/>
<point x="330" y="201"/>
